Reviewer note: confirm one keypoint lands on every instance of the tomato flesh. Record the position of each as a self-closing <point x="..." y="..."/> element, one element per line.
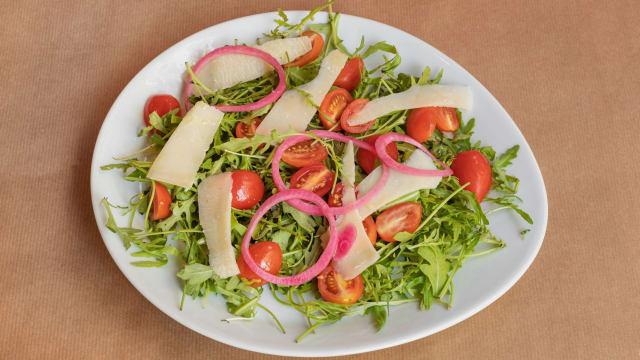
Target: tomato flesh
<point x="473" y="168"/>
<point x="398" y="218"/>
<point x="247" y="189"/>
<point x="446" y="118"/>
<point x="368" y="160"/>
<point x="161" y="203"/>
<point x="335" y="198"/>
<point x="305" y="153"/>
<point x="349" y="77"/>
<point x="244" y="130"/>
<point x="420" y="124"/>
<point x="332" y="107"/>
<point x="349" y="112"/>
<point x="316" y="178"/>
<point x="370" y="228"/>
<point x="337" y="290"/>
<point x="317" y="43"/>
<point x="161" y="104"/>
<point x="268" y="257"/>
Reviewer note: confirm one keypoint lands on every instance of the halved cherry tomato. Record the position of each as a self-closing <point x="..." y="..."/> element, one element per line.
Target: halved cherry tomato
<point x="244" y="130"/>
<point x="337" y="290"/>
<point x="370" y="228"/>
<point x="335" y="198"/>
<point x="332" y="106"/>
<point x="317" y="178"/>
<point x="349" y="77"/>
<point x="368" y="160"/>
<point x="317" y="43"/>
<point x="349" y="112"/>
<point x="268" y="257"/>
<point x="421" y="124"/>
<point x="161" y="203"/>
<point x="402" y="217"/>
<point x="161" y="104"/>
<point x="305" y="153"/>
<point x="472" y="167"/>
<point x="446" y="118"/>
<point x="247" y="189"/>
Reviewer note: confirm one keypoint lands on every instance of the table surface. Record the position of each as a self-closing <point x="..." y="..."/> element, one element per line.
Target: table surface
<point x="566" y="71"/>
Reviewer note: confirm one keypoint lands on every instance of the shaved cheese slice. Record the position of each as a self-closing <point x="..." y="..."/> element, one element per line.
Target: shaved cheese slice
<point x="417" y="96"/>
<point x="293" y="112"/>
<point x="226" y="71"/>
<point x="362" y="254"/>
<point x="399" y="184"/>
<point x="181" y="156"/>
<point x="214" y="209"/>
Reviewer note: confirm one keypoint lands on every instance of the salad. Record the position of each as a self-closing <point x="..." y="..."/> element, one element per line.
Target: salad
<point x="291" y="167"/>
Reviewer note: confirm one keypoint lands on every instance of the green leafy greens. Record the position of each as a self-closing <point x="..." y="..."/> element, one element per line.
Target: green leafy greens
<point x="418" y="268"/>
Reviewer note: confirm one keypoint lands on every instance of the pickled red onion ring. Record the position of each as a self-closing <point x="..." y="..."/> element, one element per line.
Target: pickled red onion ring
<point x="244" y="50"/>
<point x="323" y="260"/>
<point x="313" y="209"/>
<point x="384" y="140"/>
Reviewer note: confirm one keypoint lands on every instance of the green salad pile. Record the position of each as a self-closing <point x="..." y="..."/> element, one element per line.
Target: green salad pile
<point x="418" y="268"/>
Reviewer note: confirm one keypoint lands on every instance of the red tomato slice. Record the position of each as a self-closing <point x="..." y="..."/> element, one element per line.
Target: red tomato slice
<point x="317" y="43"/>
<point x="161" y="104"/>
<point x="244" y="130"/>
<point x="421" y="124"/>
<point x="335" y="198"/>
<point x="446" y="118"/>
<point x="268" y="257"/>
<point x="247" y="189"/>
<point x="349" y="77"/>
<point x="160" y="208"/>
<point x="305" y="153"/>
<point x="402" y="217"/>
<point x="472" y="167"/>
<point x="317" y="178"/>
<point x="335" y="289"/>
<point x="353" y="108"/>
<point x="370" y="228"/>
<point x="368" y="160"/>
<point x="332" y="106"/>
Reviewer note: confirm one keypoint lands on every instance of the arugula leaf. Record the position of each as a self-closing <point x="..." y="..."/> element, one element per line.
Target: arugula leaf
<point x="195" y="274"/>
<point x="437" y="268"/>
<point x="379" y="314"/>
<point x="304" y="221"/>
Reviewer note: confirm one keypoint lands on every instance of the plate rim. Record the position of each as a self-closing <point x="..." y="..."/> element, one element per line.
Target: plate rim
<point x="357" y="349"/>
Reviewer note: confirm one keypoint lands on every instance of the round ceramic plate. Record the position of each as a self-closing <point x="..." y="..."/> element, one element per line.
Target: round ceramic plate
<point x="478" y="283"/>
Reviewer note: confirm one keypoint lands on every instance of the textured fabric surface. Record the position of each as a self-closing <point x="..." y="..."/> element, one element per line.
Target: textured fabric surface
<point x="566" y="71"/>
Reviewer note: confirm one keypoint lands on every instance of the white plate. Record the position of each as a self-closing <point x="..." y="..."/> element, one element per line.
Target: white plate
<point x="478" y="283"/>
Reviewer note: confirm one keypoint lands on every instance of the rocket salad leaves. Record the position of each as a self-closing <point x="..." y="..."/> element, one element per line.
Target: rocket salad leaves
<point x="418" y="268"/>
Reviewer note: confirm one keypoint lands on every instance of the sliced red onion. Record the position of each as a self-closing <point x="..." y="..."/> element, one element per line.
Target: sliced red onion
<point x="323" y="260"/>
<point x="384" y="140"/>
<point x="244" y="50"/>
<point x="311" y="209"/>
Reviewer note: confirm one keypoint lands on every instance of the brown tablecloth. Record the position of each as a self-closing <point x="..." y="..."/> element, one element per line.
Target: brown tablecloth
<point x="567" y="72"/>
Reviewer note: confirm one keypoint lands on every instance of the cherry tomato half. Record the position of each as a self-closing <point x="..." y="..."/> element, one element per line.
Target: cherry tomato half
<point x="317" y="43"/>
<point x="332" y="106"/>
<point x="421" y="124"/>
<point x="349" y="112"/>
<point x="317" y="178"/>
<point x="268" y="257"/>
<point x="247" y="189"/>
<point x="472" y="167"/>
<point x="305" y="153"/>
<point x="244" y="130"/>
<point x="402" y="217"/>
<point x="335" y="198"/>
<point x="160" y="208"/>
<point x="368" y="160"/>
<point x="335" y="289"/>
<point x="349" y="77"/>
<point x="161" y="104"/>
<point x="446" y="118"/>
<point x="370" y="229"/>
